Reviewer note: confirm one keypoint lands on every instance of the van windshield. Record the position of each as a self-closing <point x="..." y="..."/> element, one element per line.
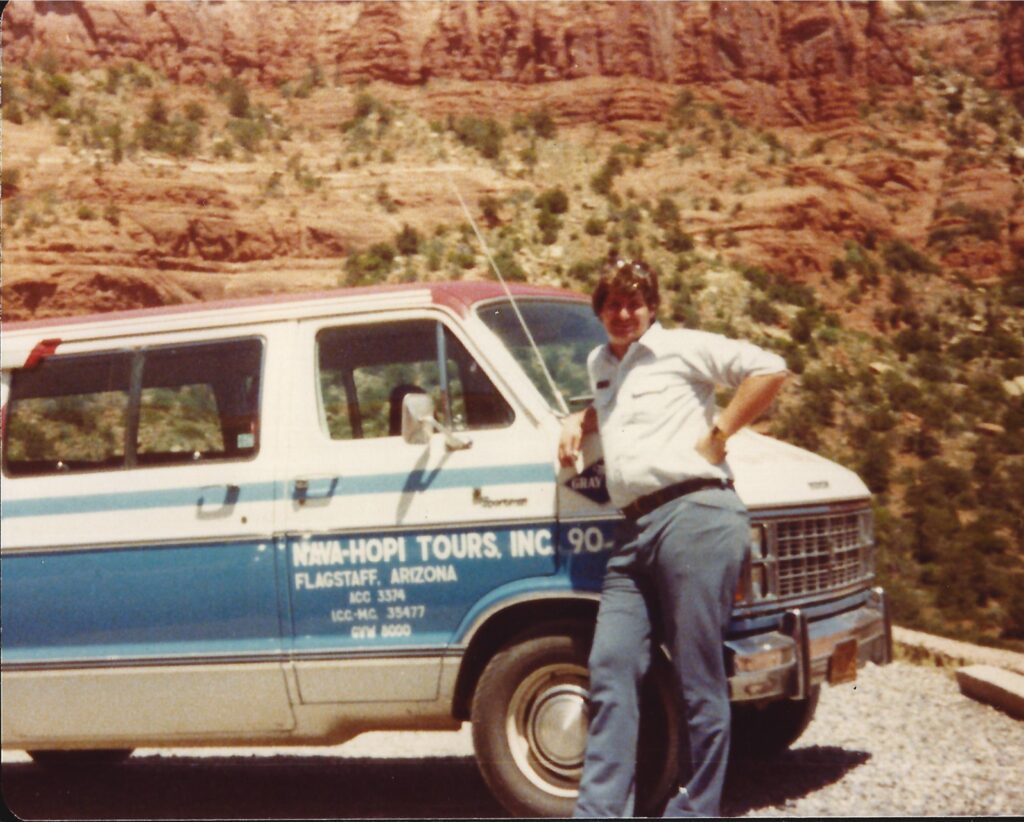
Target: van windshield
<point x="565" y="333"/>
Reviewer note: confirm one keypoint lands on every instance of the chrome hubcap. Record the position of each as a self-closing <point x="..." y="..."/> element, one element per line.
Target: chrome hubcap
<point x="546" y="727"/>
<point x="558" y="728"/>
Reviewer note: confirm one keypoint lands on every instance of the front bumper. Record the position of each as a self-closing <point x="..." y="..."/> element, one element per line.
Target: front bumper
<point x="802" y="652"/>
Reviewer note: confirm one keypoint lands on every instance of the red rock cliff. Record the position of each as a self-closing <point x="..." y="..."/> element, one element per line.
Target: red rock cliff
<point x="775" y="62"/>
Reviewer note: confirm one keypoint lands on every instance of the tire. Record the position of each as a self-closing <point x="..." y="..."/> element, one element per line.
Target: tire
<point x="68" y="760"/>
<point x="530" y="728"/>
<point x="765" y="731"/>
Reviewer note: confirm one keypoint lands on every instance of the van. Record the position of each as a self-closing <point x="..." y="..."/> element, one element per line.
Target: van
<point x="292" y="520"/>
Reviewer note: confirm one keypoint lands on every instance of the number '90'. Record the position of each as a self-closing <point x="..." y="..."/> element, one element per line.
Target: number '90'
<point x="589" y="540"/>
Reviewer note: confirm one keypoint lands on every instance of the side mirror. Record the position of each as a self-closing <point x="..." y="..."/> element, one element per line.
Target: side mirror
<point x="418" y="423"/>
<point x="417" y="418"/>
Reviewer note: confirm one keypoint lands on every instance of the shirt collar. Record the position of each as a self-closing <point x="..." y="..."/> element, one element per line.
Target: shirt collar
<point x="651" y="339"/>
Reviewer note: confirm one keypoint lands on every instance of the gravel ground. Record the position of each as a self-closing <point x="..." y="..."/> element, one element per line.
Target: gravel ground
<point x="900" y="741"/>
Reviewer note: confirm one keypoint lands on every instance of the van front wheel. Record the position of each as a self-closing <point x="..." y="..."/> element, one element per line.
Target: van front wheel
<point x="530" y="724"/>
<point x="529" y="718"/>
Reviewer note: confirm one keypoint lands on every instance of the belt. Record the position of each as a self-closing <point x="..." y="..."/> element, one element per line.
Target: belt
<point x="647" y="503"/>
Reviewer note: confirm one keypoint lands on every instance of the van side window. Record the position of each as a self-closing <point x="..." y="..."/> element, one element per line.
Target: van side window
<point x="199" y="401"/>
<point x="157" y="406"/>
<point x="68" y="414"/>
<point x="365" y="372"/>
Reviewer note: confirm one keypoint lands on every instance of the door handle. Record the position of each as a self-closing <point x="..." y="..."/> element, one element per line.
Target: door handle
<point x="314" y="489"/>
<point x="217" y="500"/>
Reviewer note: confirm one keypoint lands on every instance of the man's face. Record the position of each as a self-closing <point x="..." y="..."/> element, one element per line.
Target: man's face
<point x="625" y="317"/>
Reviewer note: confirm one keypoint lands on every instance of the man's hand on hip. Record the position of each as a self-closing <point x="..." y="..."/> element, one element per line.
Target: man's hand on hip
<point x="711" y="447"/>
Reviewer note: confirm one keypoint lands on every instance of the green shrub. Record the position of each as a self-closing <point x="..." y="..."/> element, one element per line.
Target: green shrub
<point x="1013" y="620"/>
<point x="384" y="199"/>
<point x="113" y="80"/>
<point x="762" y="311"/>
<point x="483" y="135"/>
<point x="923" y="443"/>
<point x="542" y="123"/>
<point x="247" y="134"/>
<point x="489" y="208"/>
<point x="930" y="367"/>
<point x="462" y="256"/>
<point x="549" y="225"/>
<point x="880" y="419"/>
<point x="194" y="111"/>
<point x="554" y="200"/>
<point x="1003" y="345"/>
<point x="901" y="256"/>
<point x="967" y="348"/>
<point x="238" y="100"/>
<point x="435" y="254"/>
<point x="979" y="222"/>
<point x="584" y="270"/>
<point x="913" y="340"/>
<point x="602" y="181"/>
<point x="408" y="240"/>
<point x="859" y="259"/>
<point x="509" y="266"/>
<point x="797" y="425"/>
<point x="1013" y="417"/>
<point x="988" y="388"/>
<point x="272" y="188"/>
<point x="802" y="326"/>
<point x="594" y="226"/>
<point x="85" y="212"/>
<point x="666" y="214"/>
<point x="365" y="105"/>
<point x="683" y="104"/>
<point x="160" y="132"/>
<point x="371" y="265"/>
<point x="875" y="463"/>
<point x="678" y="241"/>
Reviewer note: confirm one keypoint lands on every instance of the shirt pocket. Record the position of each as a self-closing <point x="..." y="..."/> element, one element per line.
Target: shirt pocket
<point x="648" y="398"/>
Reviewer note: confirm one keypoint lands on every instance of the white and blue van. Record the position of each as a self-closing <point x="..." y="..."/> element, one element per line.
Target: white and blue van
<point x="291" y="520"/>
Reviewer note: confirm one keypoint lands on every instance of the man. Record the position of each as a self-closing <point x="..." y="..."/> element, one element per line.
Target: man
<point x="654" y="406"/>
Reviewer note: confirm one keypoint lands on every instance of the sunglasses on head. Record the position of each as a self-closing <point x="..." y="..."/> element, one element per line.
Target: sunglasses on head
<point x="635" y="266"/>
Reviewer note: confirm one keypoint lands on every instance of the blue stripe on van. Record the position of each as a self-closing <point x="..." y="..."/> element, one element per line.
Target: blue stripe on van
<point x="264" y="491"/>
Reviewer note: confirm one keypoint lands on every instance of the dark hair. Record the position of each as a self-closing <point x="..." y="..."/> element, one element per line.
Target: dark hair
<point x="629" y="276"/>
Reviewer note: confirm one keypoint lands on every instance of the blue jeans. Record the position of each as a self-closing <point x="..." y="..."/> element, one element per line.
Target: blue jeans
<point x="674" y="580"/>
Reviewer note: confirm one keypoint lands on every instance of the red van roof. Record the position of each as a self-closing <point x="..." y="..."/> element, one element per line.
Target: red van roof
<point x="459" y="296"/>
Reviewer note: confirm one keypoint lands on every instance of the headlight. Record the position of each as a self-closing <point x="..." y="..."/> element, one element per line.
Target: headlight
<point x="757" y="541"/>
<point x="866" y="527"/>
<point x="758" y="586"/>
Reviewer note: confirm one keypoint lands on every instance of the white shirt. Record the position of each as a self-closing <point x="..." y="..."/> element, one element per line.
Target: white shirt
<point x="659" y="400"/>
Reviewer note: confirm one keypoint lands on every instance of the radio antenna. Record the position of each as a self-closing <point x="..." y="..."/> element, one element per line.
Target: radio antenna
<point x="512" y="300"/>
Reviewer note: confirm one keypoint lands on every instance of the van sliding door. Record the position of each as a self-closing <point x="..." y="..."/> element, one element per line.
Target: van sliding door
<point x="138" y="551"/>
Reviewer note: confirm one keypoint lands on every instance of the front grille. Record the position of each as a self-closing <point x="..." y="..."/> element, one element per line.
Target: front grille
<point x="820" y="553"/>
<point x="796" y="557"/>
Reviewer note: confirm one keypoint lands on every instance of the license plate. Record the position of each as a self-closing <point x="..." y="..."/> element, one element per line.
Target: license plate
<point x="842" y="665"/>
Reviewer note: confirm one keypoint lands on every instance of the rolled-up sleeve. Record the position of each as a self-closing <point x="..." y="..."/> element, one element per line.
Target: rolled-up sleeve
<point x="725" y="361"/>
